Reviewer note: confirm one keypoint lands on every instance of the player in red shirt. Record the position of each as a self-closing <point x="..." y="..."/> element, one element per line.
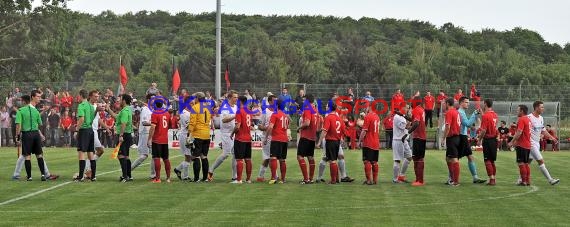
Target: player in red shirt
<point x="451" y="139"/>
<point x="351" y="132"/>
<point x="388" y="124"/>
<point x="475" y="97"/>
<point x="66" y="123"/>
<point x="370" y="143"/>
<point x="242" y="141"/>
<point x="278" y="125"/>
<point x="333" y="129"/>
<point x="521" y="140"/>
<point x="158" y="141"/>
<point x="306" y="146"/>
<point x="418" y="131"/>
<point x="174" y="119"/>
<point x="397" y="98"/>
<point x="545" y="140"/>
<point x="429" y="106"/>
<point x="458" y="95"/>
<point x="440" y="102"/>
<point x="488" y="139"/>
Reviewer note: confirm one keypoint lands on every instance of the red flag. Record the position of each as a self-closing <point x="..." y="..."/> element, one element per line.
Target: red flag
<point x="123" y="76"/>
<point x="227" y="77"/>
<point x="175" y="81"/>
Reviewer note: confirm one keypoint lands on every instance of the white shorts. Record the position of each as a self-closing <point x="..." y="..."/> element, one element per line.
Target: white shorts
<point x="227" y="144"/>
<point x="142" y="145"/>
<point x="183" y="149"/>
<point x="96" y="141"/>
<point x="401" y="151"/>
<point x="535" y="151"/>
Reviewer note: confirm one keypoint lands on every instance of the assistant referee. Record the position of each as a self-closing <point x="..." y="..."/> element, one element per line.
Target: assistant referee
<point x="27" y="122"/>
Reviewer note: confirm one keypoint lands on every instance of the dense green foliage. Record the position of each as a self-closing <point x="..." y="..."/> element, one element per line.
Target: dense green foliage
<point x="52" y="43"/>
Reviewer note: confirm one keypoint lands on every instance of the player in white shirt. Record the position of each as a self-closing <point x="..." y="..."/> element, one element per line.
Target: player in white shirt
<point x="182" y="170"/>
<point x="536" y="131"/>
<point x="228" y="110"/>
<point x="400" y="146"/>
<point x="265" y="118"/>
<point x="144" y="127"/>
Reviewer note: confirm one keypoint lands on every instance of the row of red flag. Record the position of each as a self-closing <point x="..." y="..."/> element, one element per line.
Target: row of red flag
<point x="175" y="78"/>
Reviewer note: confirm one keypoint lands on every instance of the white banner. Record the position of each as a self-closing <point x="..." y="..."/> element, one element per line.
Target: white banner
<point x="215" y="139"/>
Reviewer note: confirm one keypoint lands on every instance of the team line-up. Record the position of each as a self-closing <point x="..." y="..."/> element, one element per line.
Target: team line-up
<point x="315" y="130"/>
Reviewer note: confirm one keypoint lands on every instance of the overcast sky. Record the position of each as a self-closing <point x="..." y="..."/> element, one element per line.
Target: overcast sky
<point x="546" y="17"/>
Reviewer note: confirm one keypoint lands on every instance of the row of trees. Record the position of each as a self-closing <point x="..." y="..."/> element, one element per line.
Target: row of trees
<point x="52" y="43"/>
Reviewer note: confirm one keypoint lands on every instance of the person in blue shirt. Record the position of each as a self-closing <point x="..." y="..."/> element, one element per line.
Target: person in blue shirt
<point x="368" y="97"/>
<point x="285" y="96"/>
<point x="465" y="149"/>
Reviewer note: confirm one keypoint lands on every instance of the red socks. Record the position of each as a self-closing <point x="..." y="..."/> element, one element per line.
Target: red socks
<point x="522" y="172"/>
<point x="334" y="172"/>
<point x="419" y="169"/>
<point x="489" y="168"/>
<point x="368" y="171"/>
<point x="157" y="167"/>
<point x="416" y="170"/>
<point x="283" y="168"/>
<point x="303" y="166"/>
<point x="167" y="168"/>
<point x="273" y="166"/>
<point x="375" y="172"/>
<point x="311" y="169"/>
<point x="456" y="171"/>
<point x="239" y="168"/>
<point x="248" y="167"/>
<point x="527" y="167"/>
<point x="450" y="170"/>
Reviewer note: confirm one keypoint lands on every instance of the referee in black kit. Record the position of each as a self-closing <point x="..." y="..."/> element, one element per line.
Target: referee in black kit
<point x="27" y="122"/>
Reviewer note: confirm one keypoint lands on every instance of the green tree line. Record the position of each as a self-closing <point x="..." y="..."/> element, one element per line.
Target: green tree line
<point x="52" y="43"/>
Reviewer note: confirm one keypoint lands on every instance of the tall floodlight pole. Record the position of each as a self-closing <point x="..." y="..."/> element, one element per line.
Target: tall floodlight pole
<point x="218" y="48"/>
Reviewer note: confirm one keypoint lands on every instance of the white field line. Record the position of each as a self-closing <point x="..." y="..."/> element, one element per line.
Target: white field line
<point x="60" y="185"/>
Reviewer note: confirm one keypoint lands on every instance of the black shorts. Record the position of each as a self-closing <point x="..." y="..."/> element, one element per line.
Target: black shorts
<point x="201" y="148"/>
<point x="523" y="155"/>
<point x="369" y="154"/>
<point x="278" y="149"/>
<point x="490" y="149"/>
<point x="126" y="145"/>
<point x="306" y="148"/>
<point x="418" y="148"/>
<point x="31" y="143"/>
<point x="464" y="147"/>
<point x="452" y="147"/>
<point x="86" y="140"/>
<point x="160" y="151"/>
<point x="332" y="147"/>
<point x="242" y="150"/>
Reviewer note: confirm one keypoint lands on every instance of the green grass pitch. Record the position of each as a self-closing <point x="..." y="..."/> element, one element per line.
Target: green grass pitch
<point x="108" y="202"/>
